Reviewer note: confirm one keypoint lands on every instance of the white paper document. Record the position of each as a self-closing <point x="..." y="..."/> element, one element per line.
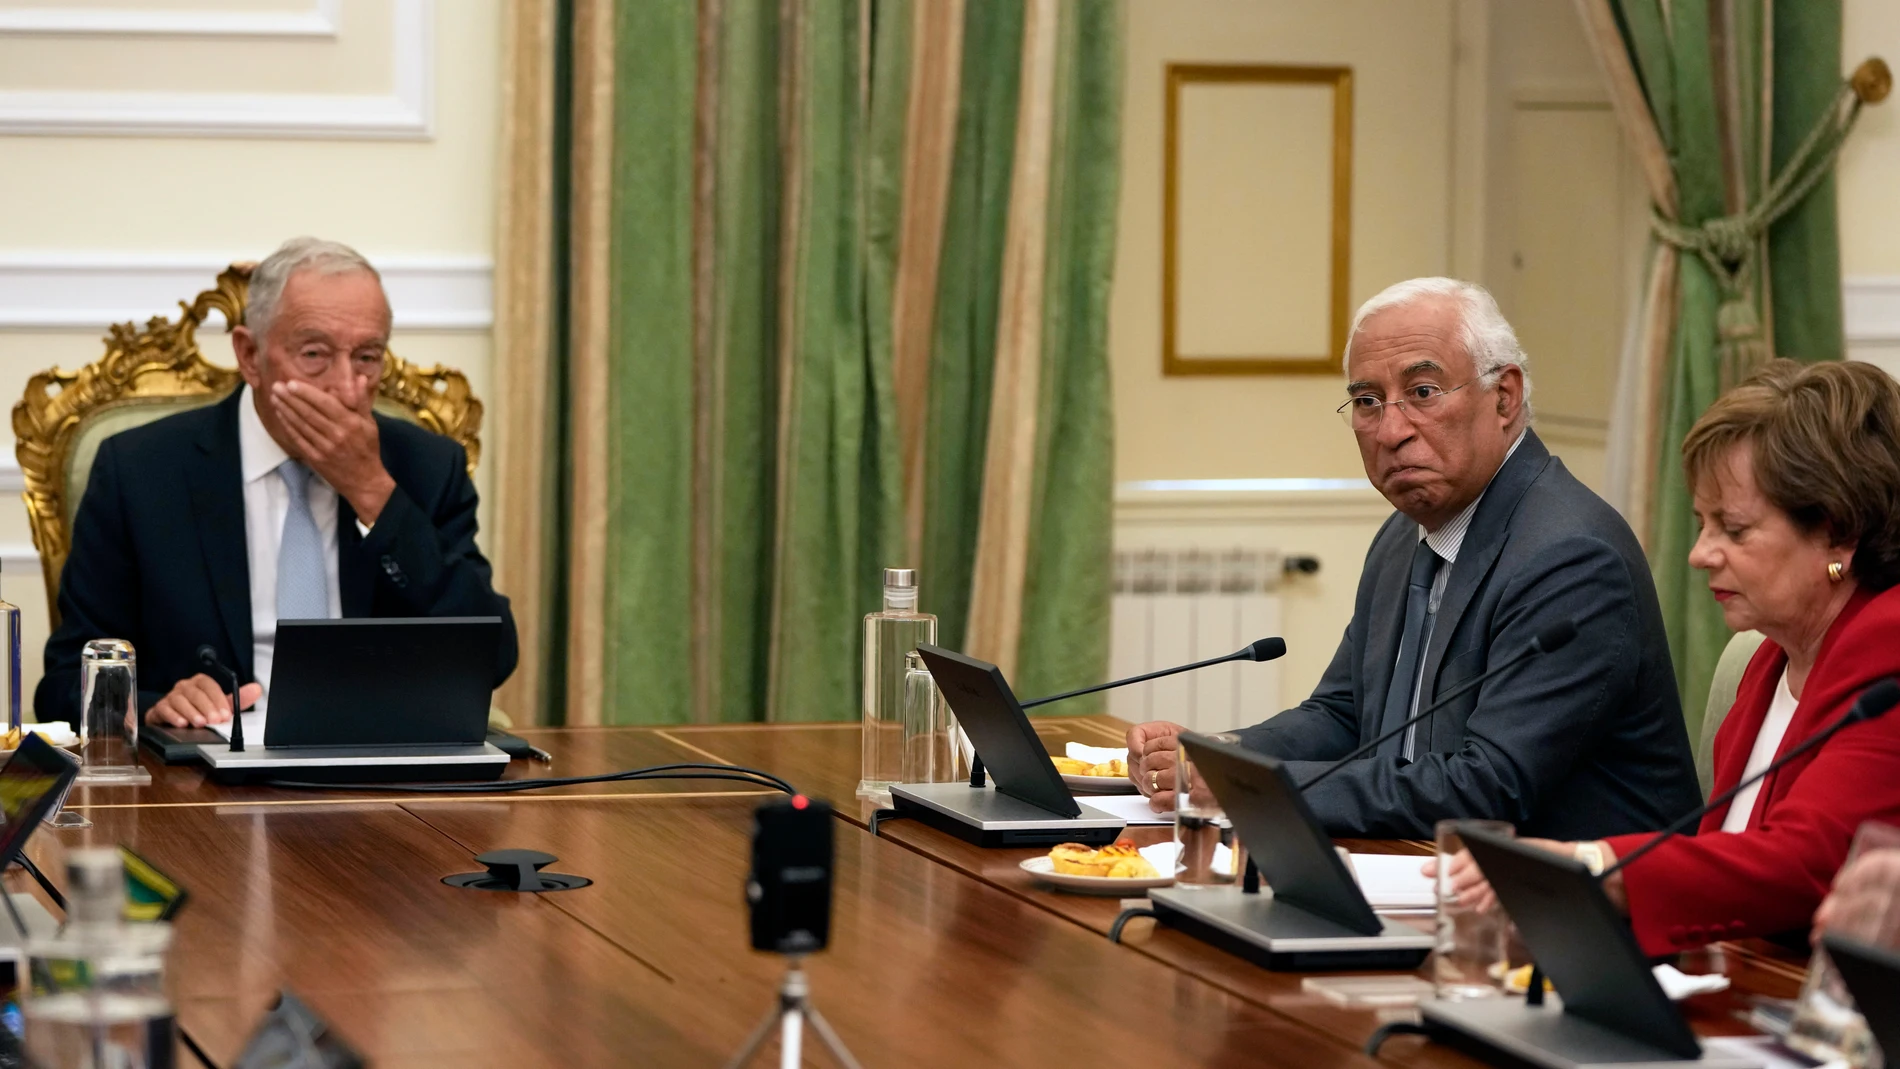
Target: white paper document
<point x="253" y="726"/>
<point x="1132" y="808"/>
<point x="1393" y="881"/>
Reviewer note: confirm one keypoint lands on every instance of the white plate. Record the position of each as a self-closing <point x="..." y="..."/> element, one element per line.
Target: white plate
<point x="1044" y="869"/>
<point x="1100" y="784"/>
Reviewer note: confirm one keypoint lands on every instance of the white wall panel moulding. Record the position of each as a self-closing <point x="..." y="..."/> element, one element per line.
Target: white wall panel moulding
<point x="89" y="291"/>
<point x="407" y="112"/>
<point x="318" y="20"/>
<point x="1873" y="308"/>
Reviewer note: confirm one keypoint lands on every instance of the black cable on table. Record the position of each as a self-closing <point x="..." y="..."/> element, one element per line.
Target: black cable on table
<point x="688" y="770"/>
<point x="1388" y="1030"/>
<point x="1129" y="914"/>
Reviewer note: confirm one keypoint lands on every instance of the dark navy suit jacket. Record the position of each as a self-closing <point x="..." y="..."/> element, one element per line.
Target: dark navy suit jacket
<point x="159" y="558"/>
<point x="1581" y="743"/>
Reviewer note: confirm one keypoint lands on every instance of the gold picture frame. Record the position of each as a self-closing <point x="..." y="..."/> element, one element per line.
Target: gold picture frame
<point x="1339" y="79"/>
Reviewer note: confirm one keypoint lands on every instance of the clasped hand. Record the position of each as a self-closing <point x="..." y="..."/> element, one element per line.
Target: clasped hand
<point x="197" y="701"/>
<point x="1151" y="750"/>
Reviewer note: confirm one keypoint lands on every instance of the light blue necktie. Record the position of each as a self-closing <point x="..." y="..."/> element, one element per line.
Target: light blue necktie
<point x="302" y="587"/>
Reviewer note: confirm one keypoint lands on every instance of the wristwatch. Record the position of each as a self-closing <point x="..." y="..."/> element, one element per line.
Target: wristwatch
<point x="1592" y="856"/>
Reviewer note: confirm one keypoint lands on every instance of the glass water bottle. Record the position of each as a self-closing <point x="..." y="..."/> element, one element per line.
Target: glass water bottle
<point x="890" y="637"/>
<point x="97" y="993"/>
<point x="10" y="620"/>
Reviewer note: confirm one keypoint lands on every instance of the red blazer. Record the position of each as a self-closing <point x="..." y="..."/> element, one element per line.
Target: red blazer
<point x="1772" y="877"/>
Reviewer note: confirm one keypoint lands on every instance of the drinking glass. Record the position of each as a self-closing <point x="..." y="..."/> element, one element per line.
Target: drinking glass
<point x="109" y="717"/>
<point x="1468" y="960"/>
<point x="1210" y="854"/>
<point x="1827" y="1026"/>
<point x="931" y="750"/>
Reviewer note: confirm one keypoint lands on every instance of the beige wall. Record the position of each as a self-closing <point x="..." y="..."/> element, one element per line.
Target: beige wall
<point x="133" y="185"/>
<point x="1252" y="427"/>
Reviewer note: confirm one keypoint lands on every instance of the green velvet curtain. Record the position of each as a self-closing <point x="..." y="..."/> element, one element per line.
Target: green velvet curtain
<point x="1705" y="68"/>
<point x="803" y="219"/>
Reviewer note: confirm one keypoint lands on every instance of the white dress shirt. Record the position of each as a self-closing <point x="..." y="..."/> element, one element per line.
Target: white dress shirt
<point x="1767" y="741"/>
<point x="266" y="502"/>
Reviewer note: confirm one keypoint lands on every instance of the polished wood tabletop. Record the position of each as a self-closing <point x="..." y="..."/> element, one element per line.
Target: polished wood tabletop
<point x="942" y="953"/>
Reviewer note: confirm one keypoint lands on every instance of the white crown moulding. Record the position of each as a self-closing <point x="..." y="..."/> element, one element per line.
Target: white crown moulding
<point x="90" y="291"/>
<point x="406" y="112"/>
<point x="319" y="20"/>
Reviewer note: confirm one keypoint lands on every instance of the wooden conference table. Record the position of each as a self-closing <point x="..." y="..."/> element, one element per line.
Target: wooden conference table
<point x="941" y="953"/>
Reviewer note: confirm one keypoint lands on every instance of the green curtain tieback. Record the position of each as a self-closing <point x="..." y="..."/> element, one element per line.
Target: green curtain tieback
<point x="1730" y="245"/>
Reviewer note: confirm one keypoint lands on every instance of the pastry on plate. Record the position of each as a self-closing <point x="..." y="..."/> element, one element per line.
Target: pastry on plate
<point x="1069" y="766"/>
<point x="1120" y="861"/>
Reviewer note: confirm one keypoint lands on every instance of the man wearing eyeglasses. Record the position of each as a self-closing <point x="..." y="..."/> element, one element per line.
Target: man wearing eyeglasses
<point x="1493" y="542"/>
<point x="291" y="499"/>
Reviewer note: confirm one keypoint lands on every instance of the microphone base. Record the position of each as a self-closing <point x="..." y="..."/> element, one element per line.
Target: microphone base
<point x="987" y="817"/>
<point x="354" y="764"/>
<point x="1283" y="937"/>
<point x="1505" y="1031"/>
<point x="113" y="776"/>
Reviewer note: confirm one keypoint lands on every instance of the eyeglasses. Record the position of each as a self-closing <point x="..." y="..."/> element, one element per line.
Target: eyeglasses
<point x="1364" y="411"/>
<point x="314" y="360"/>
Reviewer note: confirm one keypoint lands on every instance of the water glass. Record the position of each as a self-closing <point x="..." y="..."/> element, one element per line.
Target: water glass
<point x="931" y="750"/>
<point x="109" y="713"/>
<point x="1827" y="1026"/>
<point x="1210" y="854"/>
<point x="1469" y="958"/>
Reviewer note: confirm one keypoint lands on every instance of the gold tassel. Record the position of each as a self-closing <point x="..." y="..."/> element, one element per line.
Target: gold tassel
<point x="1739" y="344"/>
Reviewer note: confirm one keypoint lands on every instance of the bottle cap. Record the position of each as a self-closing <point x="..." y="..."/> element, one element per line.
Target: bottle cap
<point x="900" y="577"/>
<point x="95" y="882"/>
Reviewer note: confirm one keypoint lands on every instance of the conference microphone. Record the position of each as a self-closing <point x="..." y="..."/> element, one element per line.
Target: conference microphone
<point x="1260" y="649"/>
<point x="1265" y="649"/>
<point x="1873" y="702"/>
<point x="208" y="658"/>
<point x="1549" y="640"/>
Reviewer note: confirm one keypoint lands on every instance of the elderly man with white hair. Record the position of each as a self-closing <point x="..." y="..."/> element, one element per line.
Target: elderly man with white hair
<point x="290" y="499"/>
<point x="1493" y="542"/>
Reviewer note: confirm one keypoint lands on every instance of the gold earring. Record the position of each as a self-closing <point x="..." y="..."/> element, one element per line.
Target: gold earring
<point x="1836" y="572"/>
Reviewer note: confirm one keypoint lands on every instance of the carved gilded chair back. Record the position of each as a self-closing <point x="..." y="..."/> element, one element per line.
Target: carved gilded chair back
<point x="158" y="370"/>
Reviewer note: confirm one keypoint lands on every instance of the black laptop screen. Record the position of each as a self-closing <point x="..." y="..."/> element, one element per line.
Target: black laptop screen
<point x="31" y="781"/>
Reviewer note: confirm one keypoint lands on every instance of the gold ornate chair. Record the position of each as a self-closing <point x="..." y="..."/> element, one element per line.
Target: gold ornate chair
<point x="159" y="371"/>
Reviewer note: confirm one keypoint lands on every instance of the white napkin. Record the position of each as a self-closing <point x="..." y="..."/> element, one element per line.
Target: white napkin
<point x="57" y="733"/>
<point x="1095" y="755"/>
<point x="1680" y="985"/>
<point x="1164" y="855"/>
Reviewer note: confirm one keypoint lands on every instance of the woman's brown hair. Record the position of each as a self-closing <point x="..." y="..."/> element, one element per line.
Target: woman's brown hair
<point x="1826" y="443"/>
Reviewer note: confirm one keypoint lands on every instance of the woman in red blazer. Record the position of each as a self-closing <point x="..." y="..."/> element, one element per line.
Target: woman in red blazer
<point x="1795" y="476"/>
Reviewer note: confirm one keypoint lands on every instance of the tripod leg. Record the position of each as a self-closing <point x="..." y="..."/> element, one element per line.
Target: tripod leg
<point x="791" y="1038"/>
<point x="832" y="1042"/>
<point x="755" y="1040"/>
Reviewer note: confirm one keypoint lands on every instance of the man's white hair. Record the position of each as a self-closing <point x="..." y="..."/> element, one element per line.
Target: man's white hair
<point x="1488" y="337"/>
<point x="298" y="254"/>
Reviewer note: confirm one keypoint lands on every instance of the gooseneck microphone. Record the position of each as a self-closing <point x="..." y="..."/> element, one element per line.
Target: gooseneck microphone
<point x="1261" y="649"/>
<point x="1550" y="639"/>
<point x="1265" y="649"/>
<point x="208" y="658"/>
<point x="1873" y="702"/>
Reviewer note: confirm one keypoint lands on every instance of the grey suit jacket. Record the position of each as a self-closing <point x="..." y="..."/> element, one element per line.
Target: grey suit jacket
<point x="1581" y="743"/>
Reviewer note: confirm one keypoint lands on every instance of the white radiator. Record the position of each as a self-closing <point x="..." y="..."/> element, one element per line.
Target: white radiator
<point x="1177" y="606"/>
